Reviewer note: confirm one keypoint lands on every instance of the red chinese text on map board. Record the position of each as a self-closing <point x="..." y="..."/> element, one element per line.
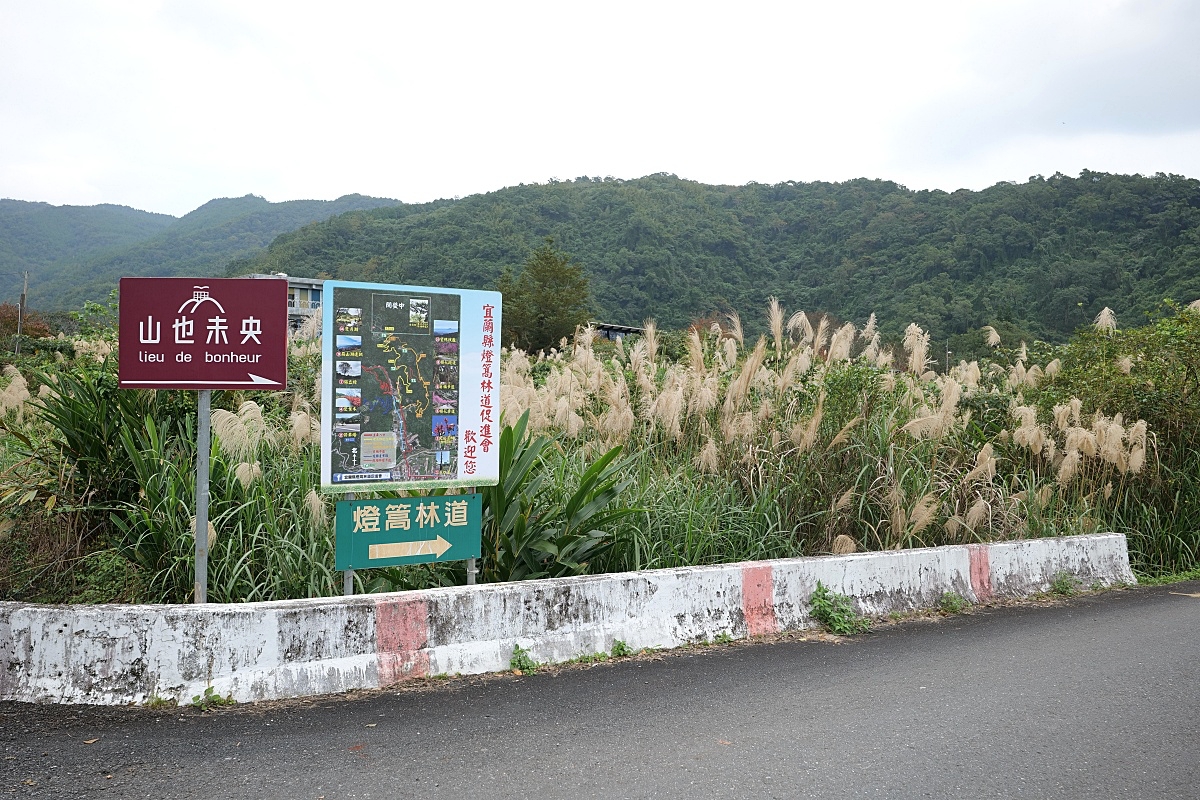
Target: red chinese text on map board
<point x="203" y="333"/>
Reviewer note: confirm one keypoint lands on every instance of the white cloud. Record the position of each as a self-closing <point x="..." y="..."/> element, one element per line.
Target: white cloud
<point x="166" y="105"/>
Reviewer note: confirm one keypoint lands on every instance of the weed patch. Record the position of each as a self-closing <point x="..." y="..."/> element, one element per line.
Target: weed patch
<point x="522" y="662"/>
<point x="210" y="700"/>
<point x="952" y="603"/>
<point x="1064" y="585"/>
<point x="836" y="612"/>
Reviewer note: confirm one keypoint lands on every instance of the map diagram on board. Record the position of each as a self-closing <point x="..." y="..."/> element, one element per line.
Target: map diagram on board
<point x="396" y="387"/>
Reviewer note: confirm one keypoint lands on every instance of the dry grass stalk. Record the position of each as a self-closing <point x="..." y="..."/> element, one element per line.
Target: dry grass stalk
<point x="98" y="349"/>
<point x="985" y="466"/>
<point x="916" y="342"/>
<point x="739" y="390"/>
<point x="247" y="473"/>
<point x="843" y="545"/>
<point x="804" y="433"/>
<point x="1068" y="468"/>
<point x="871" y="351"/>
<point x="735" y="328"/>
<point x="820" y="336"/>
<point x="993" y="338"/>
<point x="309" y="330"/>
<point x="15" y="395"/>
<point x="1062" y="416"/>
<point x="844" y="434"/>
<point x="1106" y="321"/>
<point x="240" y="435"/>
<point x="952" y="526"/>
<point x="775" y="323"/>
<point x="212" y="531"/>
<point x="695" y="351"/>
<point x="799" y="323"/>
<point x="305" y="429"/>
<point x="650" y="337"/>
<point x="1082" y="440"/>
<point x="728" y="354"/>
<point x="870" y="331"/>
<point x="704" y="395"/>
<point x="924" y="513"/>
<point x="709" y="458"/>
<point x="738" y="427"/>
<point x="315" y="507"/>
<point x="978" y="513"/>
<point x="840" y="345"/>
<point x="1125" y="365"/>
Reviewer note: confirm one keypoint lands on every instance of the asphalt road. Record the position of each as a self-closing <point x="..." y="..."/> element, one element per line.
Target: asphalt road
<point x="1095" y="698"/>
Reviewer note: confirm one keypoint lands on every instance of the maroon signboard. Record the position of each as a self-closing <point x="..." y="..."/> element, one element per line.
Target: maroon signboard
<point x="203" y="333"/>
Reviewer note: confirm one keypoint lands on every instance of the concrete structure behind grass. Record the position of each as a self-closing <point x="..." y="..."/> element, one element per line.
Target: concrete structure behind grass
<point x="262" y="651"/>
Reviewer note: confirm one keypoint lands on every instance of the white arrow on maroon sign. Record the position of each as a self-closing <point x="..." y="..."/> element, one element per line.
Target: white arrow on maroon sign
<point x="255" y="380"/>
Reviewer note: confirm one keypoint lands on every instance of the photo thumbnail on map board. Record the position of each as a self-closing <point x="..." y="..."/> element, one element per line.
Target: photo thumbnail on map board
<point x="410" y="387"/>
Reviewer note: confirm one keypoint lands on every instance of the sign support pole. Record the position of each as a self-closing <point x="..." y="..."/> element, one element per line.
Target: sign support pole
<point x="203" y="423"/>
<point x="348" y="575"/>
<point x="471" y="568"/>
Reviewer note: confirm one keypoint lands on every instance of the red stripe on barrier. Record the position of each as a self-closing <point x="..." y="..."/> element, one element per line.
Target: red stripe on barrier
<point x="758" y="601"/>
<point x="401" y="634"/>
<point x="981" y="571"/>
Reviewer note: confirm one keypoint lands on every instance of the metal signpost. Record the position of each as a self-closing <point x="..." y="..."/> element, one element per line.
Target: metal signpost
<point x="410" y="400"/>
<point x="202" y="334"/>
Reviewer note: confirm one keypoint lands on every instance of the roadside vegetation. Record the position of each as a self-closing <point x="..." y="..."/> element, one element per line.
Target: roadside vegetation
<point x="675" y="448"/>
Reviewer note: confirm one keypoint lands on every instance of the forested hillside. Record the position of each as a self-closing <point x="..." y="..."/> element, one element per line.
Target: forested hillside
<point x="78" y="253"/>
<point x="39" y="236"/>
<point x="1036" y="259"/>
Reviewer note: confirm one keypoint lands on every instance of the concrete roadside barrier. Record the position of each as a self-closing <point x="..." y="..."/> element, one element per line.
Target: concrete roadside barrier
<point x="261" y="651"/>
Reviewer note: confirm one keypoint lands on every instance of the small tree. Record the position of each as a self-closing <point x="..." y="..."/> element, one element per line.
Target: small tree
<point x="32" y="325"/>
<point x="545" y="300"/>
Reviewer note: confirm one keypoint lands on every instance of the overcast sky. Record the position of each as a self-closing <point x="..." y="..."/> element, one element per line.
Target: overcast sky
<point x="165" y="105"/>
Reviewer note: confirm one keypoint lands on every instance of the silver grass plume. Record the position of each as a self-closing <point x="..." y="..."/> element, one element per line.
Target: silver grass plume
<point x="916" y="342"/>
<point x="735" y="328"/>
<point x="775" y="323"/>
<point x="843" y="340"/>
<point x="799" y="323"/>
<point x="650" y="337"/>
<point x="314" y="505"/>
<point x="870" y="330"/>
<point x="821" y="335"/>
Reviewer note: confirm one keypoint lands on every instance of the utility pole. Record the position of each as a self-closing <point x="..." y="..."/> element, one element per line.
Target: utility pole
<point x="21" y="313"/>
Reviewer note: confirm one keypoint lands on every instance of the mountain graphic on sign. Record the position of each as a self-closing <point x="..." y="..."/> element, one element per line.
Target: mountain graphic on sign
<point x="199" y="297"/>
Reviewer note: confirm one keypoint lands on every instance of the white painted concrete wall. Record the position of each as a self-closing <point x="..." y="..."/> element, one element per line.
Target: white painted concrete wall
<point x="258" y="651"/>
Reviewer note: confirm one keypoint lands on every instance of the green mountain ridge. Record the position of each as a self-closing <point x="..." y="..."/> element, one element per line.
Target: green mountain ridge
<point x="1037" y="259"/>
<point x="78" y="253"/>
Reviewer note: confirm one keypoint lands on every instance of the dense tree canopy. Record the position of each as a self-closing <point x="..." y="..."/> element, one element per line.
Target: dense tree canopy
<point x="1035" y="260"/>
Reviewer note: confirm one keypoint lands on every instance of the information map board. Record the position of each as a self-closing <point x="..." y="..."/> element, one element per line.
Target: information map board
<point x="410" y="384"/>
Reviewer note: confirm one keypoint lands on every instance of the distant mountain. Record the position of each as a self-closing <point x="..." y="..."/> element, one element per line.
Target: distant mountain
<point x="78" y="253"/>
<point x="39" y="236"/>
<point x="1037" y="259"/>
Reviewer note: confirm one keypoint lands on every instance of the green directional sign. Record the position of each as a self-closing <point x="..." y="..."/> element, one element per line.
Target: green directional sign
<point x="407" y="530"/>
